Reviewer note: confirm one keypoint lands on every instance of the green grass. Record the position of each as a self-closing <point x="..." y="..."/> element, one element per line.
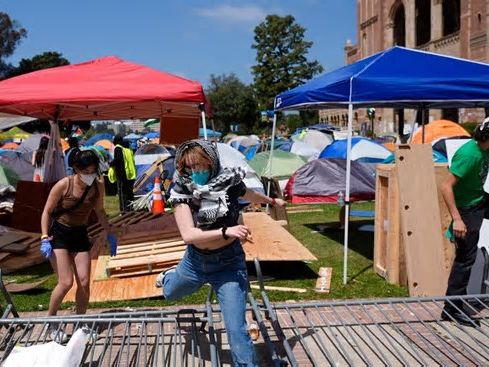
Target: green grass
<point x="327" y="246"/>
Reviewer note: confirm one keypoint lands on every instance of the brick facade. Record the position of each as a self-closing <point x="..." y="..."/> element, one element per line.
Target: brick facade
<point x="452" y="27"/>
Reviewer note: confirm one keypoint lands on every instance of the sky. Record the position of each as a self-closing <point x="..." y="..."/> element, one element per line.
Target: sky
<point x="193" y="38"/>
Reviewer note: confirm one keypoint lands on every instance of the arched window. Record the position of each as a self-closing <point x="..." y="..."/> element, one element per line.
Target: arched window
<point x="451" y="16"/>
<point x="399" y="19"/>
<point x="423" y="22"/>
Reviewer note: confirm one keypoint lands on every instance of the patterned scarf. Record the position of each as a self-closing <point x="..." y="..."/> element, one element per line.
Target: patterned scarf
<point x="212" y="198"/>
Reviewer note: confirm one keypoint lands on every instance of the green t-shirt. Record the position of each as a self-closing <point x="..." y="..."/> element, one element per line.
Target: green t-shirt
<point x="469" y="164"/>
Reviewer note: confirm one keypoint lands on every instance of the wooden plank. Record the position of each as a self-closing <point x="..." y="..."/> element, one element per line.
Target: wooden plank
<point x="23" y="287"/>
<point x="100" y="271"/>
<point x="421" y="223"/>
<point x="150" y="252"/>
<point x="149" y="245"/>
<point x="272" y="242"/>
<point x="153" y="259"/>
<point x="157" y="237"/>
<point x="156" y="268"/>
<point x="7" y="238"/>
<point x="281" y="289"/>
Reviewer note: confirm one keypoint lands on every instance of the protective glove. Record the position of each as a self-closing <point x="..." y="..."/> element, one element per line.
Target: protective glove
<point x="46" y="248"/>
<point x="112" y="243"/>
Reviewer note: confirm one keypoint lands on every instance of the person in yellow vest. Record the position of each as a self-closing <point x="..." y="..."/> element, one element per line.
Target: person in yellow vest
<point x="123" y="170"/>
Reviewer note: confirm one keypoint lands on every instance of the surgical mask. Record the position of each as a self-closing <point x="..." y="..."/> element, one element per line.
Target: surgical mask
<point x="200" y="177"/>
<point x="88" y="179"/>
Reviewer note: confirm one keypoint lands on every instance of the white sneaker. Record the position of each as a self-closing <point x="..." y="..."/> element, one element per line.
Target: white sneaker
<point x="160" y="279"/>
<point x="58" y="336"/>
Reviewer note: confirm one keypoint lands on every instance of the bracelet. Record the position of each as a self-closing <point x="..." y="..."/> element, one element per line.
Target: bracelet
<point x="44" y="236"/>
<point x="224" y="235"/>
<point x="274" y="202"/>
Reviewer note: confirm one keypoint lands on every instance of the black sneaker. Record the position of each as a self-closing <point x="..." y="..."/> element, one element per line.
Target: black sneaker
<point x="450" y="314"/>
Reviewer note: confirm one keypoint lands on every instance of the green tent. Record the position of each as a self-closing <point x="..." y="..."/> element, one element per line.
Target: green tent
<point x="284" y="164"/>
<point x="8" y="176"/>
<point x="14" y="133"/>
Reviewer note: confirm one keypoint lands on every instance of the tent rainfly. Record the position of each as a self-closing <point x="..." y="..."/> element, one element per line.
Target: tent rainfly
<point x="398" y="78"/>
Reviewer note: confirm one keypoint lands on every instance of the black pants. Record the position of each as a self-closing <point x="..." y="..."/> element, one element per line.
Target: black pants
<point x="125" y="193"/>
<point x="466" y="249"/>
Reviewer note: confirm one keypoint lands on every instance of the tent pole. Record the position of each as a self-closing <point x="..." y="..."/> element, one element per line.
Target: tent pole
<point x="202" y="116"/>
<point x="347" y="193"/>
<point x="274" y="126"/>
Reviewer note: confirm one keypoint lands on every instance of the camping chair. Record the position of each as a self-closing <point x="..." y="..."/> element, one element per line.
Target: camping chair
<point x="277" y="213"/>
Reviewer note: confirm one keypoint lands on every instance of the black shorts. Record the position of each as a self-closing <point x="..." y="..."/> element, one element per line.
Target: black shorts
<point x="73" y="239"/>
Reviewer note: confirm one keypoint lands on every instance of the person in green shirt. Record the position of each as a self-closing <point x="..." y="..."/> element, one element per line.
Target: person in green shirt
<point x="463" y="192"/>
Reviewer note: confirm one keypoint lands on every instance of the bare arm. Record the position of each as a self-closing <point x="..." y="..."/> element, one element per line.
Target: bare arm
<point x="446" y="189"/>
<point x="211" y="239"/>
<point x="99" y="207"/>
<point x="256" y="197"/>
<point x="53" y="199"/>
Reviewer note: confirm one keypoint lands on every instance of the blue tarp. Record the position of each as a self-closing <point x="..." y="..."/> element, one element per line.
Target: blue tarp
<point x="152" y="135"/>
<point x="397" y="77"/>
<point x="210" y="133"/>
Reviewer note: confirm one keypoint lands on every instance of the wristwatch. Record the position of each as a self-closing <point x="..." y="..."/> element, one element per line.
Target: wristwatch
<point x="223" y="230"/>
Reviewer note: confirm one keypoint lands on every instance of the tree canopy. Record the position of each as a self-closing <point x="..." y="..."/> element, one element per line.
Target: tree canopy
<point x="11" y="34"/>
<point x="232" y="102"/>
<point x="42" y="61"/>
<point x="281" y="56"/>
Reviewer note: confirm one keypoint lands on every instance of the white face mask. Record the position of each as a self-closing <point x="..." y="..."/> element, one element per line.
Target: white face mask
<point x="88" y="179"/>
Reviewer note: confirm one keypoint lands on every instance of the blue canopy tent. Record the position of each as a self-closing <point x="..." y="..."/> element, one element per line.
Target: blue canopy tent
<point x="398" y="78"/>
<point x="210" y="133"/>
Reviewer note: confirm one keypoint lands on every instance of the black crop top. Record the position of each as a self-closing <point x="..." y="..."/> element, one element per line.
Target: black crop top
<point x="231" y="218"/>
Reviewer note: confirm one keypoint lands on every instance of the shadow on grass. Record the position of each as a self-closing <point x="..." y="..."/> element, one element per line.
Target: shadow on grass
<point x="359" y="241"/>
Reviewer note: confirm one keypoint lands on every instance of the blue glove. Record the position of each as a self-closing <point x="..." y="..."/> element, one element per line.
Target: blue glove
<point x="46" y="248"/>
<point x="113" y="244"/>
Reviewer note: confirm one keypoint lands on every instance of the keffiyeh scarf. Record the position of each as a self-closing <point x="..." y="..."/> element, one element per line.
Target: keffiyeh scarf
<point x="212" y="198"/>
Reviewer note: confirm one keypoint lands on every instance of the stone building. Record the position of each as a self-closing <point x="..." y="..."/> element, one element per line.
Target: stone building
<point x="452" y="27"/>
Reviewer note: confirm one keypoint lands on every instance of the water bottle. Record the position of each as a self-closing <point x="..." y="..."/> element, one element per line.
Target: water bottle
<point x="341" y="199"/>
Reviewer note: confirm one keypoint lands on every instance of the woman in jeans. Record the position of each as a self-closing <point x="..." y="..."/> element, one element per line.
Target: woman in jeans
<point x="205" y="197"/>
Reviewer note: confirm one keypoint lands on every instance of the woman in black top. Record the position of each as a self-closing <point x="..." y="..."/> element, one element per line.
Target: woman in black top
<point x="205" y="197"/>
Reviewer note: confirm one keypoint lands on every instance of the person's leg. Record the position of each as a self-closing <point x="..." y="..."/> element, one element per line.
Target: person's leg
<point x="120" y="194"/>
<point x="130" y="190"/>
<point x="81" y="262"/>
<point x="185" y="279"/>
<point x="230" y="281"/>
<point x="61" y="262"/>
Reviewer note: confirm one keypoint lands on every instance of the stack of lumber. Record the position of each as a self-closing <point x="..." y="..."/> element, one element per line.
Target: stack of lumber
<point x="18" y="250"/>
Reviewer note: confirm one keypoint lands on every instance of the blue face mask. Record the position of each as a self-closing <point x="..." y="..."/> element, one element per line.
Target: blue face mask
<point x="200" y="177"/>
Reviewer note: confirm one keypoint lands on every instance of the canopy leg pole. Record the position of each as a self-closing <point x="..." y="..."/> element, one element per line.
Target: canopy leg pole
<point x="202" y="116"/>
<point x="274" y="126"/>
<point x="347" y="193"/>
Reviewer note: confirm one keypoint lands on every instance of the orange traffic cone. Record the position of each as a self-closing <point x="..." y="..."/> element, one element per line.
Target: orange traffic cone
<point x="158" y="205"/>
<point x="37" y="178"/>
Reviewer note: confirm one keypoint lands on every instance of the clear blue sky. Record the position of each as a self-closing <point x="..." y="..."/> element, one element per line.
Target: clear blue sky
<point x="193" y="38"/>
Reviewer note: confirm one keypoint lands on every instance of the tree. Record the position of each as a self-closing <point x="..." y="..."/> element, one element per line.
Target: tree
<point x="42" y="61"/>
<point x="281" y="55"/>
<point x="11" y="33"/>
<point x="232" y="102"/>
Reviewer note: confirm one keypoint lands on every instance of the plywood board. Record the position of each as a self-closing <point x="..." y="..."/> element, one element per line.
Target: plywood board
<point x="23" y="287"/>
<point x="119" y="289"/>
<point x="7" y="238"/>
<point x="420" y="219"/>
<point x="272" y="242"/>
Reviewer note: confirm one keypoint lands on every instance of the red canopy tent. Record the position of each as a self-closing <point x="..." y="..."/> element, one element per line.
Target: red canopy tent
<point x="105" y="88"/>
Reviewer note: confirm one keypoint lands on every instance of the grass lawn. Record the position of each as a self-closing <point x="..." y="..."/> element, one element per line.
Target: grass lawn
<point x="327" y="246"/>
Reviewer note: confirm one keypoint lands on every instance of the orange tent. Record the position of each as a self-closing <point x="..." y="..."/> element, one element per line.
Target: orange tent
<point x="64" y="144"/>
<point x="106" y="144"/>
<point x="438" y="129"/>
<point x="11" y="146"/>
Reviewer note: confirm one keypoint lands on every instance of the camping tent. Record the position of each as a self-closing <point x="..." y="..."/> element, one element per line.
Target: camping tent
<point x="439" y="129"/>
<point x="18" y="162"/>
<point x="31" y="143"/>
<point x="97" y="137"/>
<point x="230" y="157"/>
<point x="302" y="149"/>
<point x="8" y="176"/>
<point x="313" y="138"/>
<point x="321" y="180"/>
<point x="133" y="136"/>
<point x="397" y="77"/>
<point x="283" y="165"/>
<point x="14" y="133"/>
<point x="8" y="120"/>
<point x="362" y="150"/>
<point x="10" y="146"/>
<point x="210" y="133"/>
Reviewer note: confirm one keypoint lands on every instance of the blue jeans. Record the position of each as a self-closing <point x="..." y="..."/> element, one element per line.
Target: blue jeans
<point x="225" y="270"/>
